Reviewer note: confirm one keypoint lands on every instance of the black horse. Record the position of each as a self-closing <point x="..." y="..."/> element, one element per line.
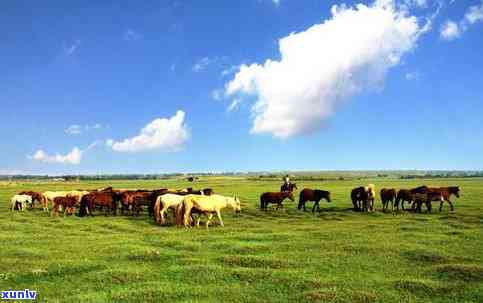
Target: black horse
<point x="360" y="199"/>
<point x="315" y="195"/>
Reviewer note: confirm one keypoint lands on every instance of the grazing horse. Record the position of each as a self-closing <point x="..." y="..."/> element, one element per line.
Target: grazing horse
<point x="371" y="195"/>
<point x="288" y="187"/>
<point x="35" y="196"/>
<point x="163" y="203"/>
<point x="315" y="195"/>
<point x="207" y="205"/>
<point x="77" y="195"/>
<point x="403" y="195"/>
<point x="275" y="197"/>
<point x="107" y="200"/>
<point x="49" y="197"/>
<point x="387" y="195"/>
<point x="360" y="198"/>
<point x="68" y="204"/>
<point x="18" y="202"/>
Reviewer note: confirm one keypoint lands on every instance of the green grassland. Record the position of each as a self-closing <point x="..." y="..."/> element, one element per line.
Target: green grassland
<point x="336" y="255"/>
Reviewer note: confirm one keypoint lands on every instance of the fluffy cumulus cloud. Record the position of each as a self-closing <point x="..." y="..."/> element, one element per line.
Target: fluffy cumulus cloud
<point x="74" y="157"/>
<point x="168" y="134"/>
<point x="324" y="65"/>
<point x="451" y="30"/>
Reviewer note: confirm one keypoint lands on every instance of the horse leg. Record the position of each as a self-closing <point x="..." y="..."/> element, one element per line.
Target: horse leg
<point x="316" y="204"/>
<point x="218" y="213"/>
<point x="208" y="219"/>
<point x="450" y="204"/>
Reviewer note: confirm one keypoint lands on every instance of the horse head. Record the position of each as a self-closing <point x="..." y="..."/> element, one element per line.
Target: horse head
<point x="235" y="204"/>
<point x="289" y="194"/>
<point x="455" y="190"/>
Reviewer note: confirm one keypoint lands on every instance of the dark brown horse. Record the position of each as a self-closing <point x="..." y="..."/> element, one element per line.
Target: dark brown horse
<point x="288" y="187"/>
<point x="274" y="197"/>
<point x="67" y="203"/>
<point x="388" y="195"/>
<point x="315" y="195"/>
<point x="406" y="195"/>
<point x="436" y="192"/>
<point x="360" y="199"/>
<point x="106" y="200"/>
<point x="35" y="196"/>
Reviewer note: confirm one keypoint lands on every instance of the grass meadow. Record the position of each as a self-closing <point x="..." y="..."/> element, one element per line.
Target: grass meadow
<point x="335" y="255"/>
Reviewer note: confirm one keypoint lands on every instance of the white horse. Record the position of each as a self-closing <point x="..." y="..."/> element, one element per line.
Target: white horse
<point x="371" y="191"/>
<point x="21" y="200"/>
<point x="165" y="202"/>
<point x="207" y="205"/>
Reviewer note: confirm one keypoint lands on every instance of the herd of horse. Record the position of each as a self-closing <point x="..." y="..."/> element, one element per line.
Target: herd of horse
<point x="190" y="205"/>
<point x="186" y="203"/>
<point x="363" y="197"/>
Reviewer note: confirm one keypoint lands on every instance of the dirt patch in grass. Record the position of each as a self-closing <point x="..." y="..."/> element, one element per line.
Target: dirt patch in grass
<point x="424" y="256"/>
<point x="255" y="262"/>
<point x="460" y="272"/>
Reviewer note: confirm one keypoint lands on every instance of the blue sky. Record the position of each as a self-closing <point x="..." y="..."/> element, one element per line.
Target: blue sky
<point x="79" y="82"/>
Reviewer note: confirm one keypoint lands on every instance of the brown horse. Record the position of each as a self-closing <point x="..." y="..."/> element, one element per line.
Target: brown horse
<point x="434" y="192"/>
<point x="68" y="204"/>
<point x="288" y="187"/>
<point x="387" y="195"/>
<point x="315" y="195"/>
<point x="35" y="197"/>
<point x="275" y="197"/>
<point x="107" y="200"/>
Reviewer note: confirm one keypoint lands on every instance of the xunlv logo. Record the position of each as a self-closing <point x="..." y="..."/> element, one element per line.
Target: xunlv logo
<point x="19" y="294"/>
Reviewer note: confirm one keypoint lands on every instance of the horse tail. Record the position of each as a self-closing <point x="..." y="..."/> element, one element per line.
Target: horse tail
<point x="157" y="209"/>
<point x="180" y="209"/>
<point x="301" y="196"/>
<point x="83" y="207"/>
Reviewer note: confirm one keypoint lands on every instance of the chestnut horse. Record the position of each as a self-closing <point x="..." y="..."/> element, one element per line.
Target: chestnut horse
<point x="68" y="204"/>
<point x="107" y="200"/>
<point x="275" y="197"/>
<point x="315" y="195"/>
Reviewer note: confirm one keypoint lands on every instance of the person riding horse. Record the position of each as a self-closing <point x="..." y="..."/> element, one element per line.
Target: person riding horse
<point x="287" y="186"/>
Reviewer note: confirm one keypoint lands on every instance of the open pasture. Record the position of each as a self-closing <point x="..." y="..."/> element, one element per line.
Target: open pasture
<point x="336" y="255"/>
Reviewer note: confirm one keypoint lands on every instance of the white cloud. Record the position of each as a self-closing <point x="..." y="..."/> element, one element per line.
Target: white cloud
<point x="76" y="129"/>
<point x="131" y="35"/>
<point x="71" y="48"/>
<point x="324" y="65"/>
<point x="163" y="134"/>
<point x="450" y="30"/>
<point x="230" y="70"/>
<point x="474" y="14"/>
<point x="73" y="130"/>
<point x="234" y="104"/>
<point x="74" y="157"/>
<point x="412" y="76"/>
<point x="217" y="94"/>
<point x="202" y="64"/>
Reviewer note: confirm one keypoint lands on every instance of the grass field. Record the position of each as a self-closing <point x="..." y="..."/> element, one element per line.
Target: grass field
<point x="280" y="256"/>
